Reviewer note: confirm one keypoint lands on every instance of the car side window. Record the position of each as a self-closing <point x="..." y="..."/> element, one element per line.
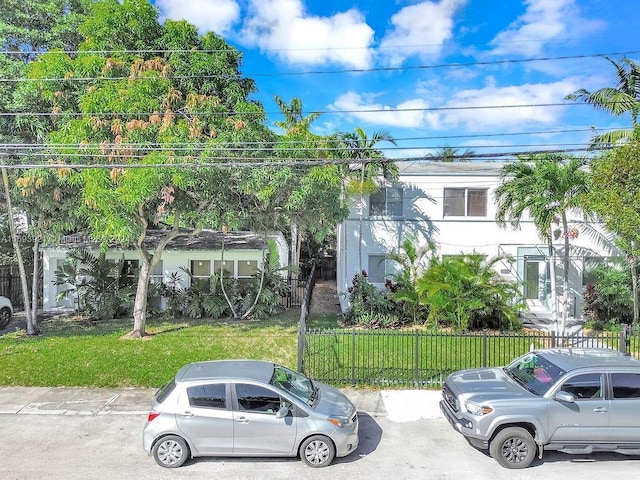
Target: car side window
<point x="584" y="386"/>
<point x="209" y="396"/>
<point x="254" y="398"/>
<point x="625" y="385"/>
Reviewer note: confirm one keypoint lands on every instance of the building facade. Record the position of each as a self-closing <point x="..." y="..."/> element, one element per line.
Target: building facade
<point x="202" y="255"/>
<point x="452" y="204"/>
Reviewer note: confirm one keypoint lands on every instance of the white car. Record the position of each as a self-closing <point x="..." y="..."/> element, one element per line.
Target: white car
<point x="6" y="310"/>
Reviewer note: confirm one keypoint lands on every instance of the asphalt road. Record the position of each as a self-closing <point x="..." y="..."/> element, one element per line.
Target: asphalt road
<point x="103" y="447"/>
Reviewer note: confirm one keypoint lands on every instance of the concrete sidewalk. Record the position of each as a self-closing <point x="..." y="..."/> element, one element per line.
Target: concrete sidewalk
<point x="397" y="405"/>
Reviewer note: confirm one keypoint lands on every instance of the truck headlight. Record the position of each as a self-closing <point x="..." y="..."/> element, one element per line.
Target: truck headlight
<point x="477" y="409"/>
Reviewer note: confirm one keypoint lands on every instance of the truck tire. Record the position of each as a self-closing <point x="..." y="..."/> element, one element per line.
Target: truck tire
<point x="513" y="448"/>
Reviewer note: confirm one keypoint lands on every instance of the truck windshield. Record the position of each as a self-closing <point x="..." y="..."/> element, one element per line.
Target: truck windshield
<point x="534" y="372"/>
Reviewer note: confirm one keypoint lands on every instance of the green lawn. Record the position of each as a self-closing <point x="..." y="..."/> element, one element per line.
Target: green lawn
<point x="75" y="352"/>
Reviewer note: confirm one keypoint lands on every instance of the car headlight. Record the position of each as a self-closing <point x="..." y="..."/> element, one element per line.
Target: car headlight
<point x="338" y="421"/>
<point x="477" y="409"/>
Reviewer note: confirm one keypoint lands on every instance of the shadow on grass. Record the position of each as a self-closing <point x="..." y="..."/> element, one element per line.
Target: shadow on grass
<point x="74" y="325"/>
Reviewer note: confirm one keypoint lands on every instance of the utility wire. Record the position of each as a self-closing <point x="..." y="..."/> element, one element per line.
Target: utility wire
<point x="234" y="162"/>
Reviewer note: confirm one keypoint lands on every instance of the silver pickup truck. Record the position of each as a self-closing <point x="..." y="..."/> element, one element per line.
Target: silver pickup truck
<point x="565" y="399"/>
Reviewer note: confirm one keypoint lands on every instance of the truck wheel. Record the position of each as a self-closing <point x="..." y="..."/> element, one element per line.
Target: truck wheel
<point x="513" y="448"/>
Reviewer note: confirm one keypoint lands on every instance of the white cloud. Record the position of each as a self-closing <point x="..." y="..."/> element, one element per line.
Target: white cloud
<point x="479" y="119"/>
<point x="544" y="21"/>
<point x="421" y="30"/>
<point x="207" y="15"/>
<point x="282" y="27"/>
<point x="408" y="114"/>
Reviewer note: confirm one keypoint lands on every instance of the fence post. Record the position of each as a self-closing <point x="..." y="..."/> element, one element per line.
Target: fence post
<point x="484" y="348"/>
<point x="416" y="354"/>
<point x="353" y="356"/>
<point x="624" y="342"/>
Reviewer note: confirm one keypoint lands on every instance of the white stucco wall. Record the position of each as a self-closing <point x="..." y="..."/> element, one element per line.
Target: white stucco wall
<point x="423" y="216"/>
<point x="172" y="261"/>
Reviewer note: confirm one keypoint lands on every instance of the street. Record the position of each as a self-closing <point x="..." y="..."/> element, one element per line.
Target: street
<point x="85" y="447"/>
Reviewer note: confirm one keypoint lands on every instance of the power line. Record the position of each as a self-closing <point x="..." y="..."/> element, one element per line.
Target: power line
<point x="235" y="162"/>
<point x="326" y="141"/>
<point x="302" y="73"/>
<point x="321" y="112"/>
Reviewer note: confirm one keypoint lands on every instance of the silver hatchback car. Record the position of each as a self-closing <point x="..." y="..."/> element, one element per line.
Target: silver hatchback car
<point x="248" y="408"/>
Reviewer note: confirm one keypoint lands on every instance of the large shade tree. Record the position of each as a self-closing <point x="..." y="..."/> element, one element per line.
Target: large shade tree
<point x="615" y="197"/>
<point x="26" y="30"/>
<point x="161" y="104"/>
<point x="545" y="187"/>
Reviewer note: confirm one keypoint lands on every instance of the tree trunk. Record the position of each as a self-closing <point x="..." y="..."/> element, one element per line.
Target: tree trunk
<point x="140" y="304"/>
<point x="634" y="285"/>
<point x="32" y="328"/>
<point x="565" y="277"/>
<point x="35" y="282"/>
<point x="552" y="280"/>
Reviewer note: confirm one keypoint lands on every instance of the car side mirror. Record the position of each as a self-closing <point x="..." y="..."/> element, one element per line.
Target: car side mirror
<point x="565" y="397"/>
<point x="283" y="412"/>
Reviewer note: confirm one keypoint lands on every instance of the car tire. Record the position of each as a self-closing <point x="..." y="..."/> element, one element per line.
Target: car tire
<point x="170" y="451"/>
<point x="317" y="451"/>
<point x="5" y="317"/>
<point x="513" y="448"/>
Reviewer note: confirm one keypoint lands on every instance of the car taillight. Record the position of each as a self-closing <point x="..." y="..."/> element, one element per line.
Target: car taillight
<point x="152" y="415"/>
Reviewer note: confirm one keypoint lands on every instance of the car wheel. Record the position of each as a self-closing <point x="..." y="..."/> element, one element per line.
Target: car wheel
<point x="513" y="448"/>
<point x="5" y="317"/>
<point x="317" y="451"/>
<point x="171" y="451"/>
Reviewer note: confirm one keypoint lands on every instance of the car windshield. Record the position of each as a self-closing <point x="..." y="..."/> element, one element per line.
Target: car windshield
<point x="534" y="372"/>
<point x="293" y="382"/>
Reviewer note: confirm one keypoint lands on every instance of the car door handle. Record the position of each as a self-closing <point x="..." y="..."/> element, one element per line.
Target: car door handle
<point x="600" y="410"/>
<point x="187" y="414"/>
<point x="242" y="420"/>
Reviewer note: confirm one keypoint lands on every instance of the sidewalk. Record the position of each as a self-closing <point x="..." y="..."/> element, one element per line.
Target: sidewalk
<point x="397" y="405"/>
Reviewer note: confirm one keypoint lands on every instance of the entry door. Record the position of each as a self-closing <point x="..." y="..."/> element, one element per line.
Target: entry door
<point x="256" y="428"/>
<point x="532" y="279"/>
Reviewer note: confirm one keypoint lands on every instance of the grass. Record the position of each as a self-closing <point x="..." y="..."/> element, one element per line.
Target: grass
<point x="75" y="352"/>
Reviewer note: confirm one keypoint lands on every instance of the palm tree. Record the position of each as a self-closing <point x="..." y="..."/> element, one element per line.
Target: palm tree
<point x="297" y="126"/>
<point x="450" y="154"/>
<point x="547" y="186"/>
<point x="366" y="173"/>
<point x="618" y="100"/>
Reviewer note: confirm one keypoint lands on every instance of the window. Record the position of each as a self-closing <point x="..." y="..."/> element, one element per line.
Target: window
<point x="129" y="272"/>
<point x="228" y="267"/>
<point x="255" y="398"/>
<point x="387" y="202"/>
<point x="626" y="385"/>
<point x="465" y="202"/>
<point x="209" y="396"/>
<point x="587" y="385"/>
<point x="200" y="271"/>
<point x="157" y="273"/>
<point x="376" y="268"/>
<point x="247" y="268"/>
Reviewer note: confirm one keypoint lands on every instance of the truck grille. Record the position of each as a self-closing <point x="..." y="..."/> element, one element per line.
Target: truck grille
<point x="450" y="398"/>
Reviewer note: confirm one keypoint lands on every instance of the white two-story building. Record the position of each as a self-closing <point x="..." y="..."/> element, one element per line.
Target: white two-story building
<point x="453" y="205"/>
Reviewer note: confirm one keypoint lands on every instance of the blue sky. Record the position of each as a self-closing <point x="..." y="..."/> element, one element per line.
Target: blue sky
<point x="422" y="70"/>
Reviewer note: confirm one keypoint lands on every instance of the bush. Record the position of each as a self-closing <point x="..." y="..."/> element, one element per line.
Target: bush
<point x="609" y="301"/>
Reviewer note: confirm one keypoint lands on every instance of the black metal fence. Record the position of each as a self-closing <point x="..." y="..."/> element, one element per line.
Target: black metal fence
<point x="10" y="285"/>
<point x="422" y="359"/>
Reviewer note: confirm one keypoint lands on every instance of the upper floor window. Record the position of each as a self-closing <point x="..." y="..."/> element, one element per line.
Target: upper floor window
<point x="386" y="201"/>
<point x="465" y="202"/>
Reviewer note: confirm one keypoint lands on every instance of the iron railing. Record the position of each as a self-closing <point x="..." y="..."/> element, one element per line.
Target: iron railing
<point x="421" y="359"/>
